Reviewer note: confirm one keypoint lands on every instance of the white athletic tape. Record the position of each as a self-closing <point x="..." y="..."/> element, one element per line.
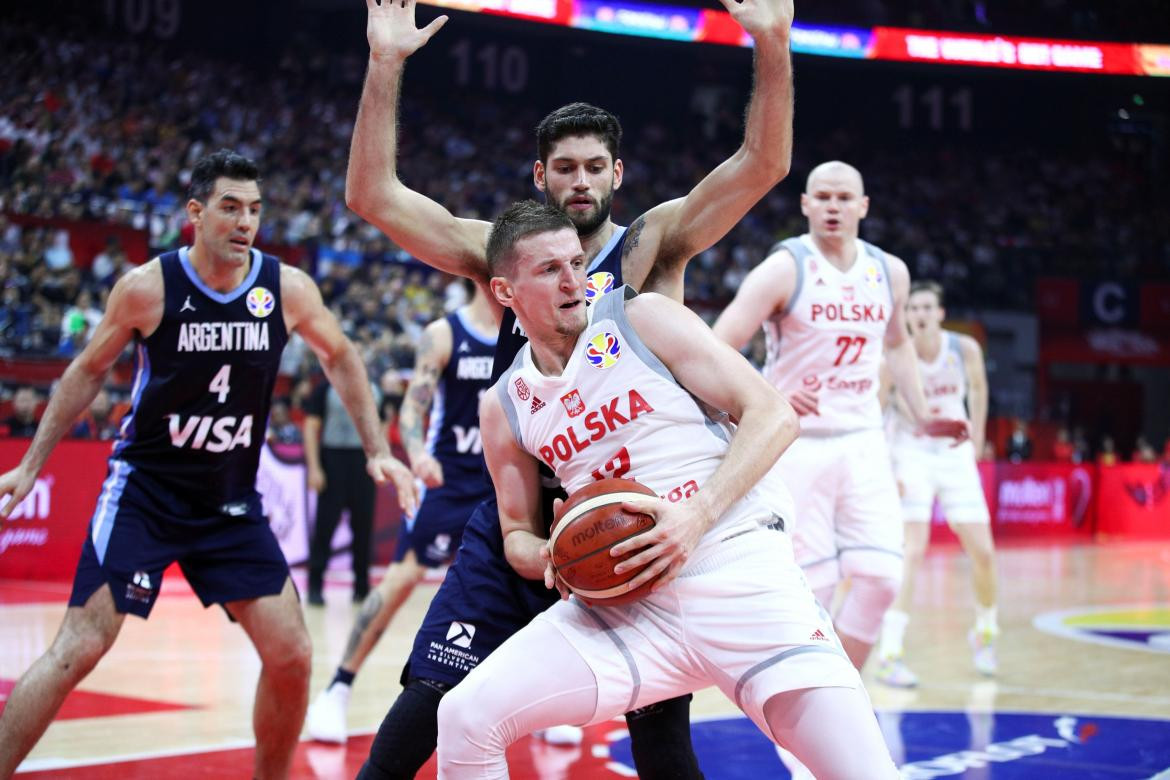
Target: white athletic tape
<point x="589" y="505"/>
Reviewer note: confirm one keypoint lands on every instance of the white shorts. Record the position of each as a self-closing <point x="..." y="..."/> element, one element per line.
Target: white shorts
<point x="741" y="617"/>
<point x="848" y="520"/>
<point x="947" y="473"/>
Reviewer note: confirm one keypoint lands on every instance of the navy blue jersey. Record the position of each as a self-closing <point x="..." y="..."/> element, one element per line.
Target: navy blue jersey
<point x="453" y="436"/>
<point x="605" y="274"/>
<point x="203" y="384"/>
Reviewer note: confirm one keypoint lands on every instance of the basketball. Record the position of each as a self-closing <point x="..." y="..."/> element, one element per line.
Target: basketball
<point x="587" y="525"/>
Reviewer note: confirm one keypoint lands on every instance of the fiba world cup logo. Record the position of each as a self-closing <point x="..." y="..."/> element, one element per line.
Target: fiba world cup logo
<point x="597" y="285"/>
<point x="603" y="350"/>
<point x="260" y="302"/>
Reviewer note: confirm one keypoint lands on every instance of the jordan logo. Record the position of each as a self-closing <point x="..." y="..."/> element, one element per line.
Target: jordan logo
<point x="187" y="305"/>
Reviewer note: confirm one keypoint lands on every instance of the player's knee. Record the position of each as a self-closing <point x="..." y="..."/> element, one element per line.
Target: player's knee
<point x="77" y="653"/>
<point x="868" y="599"/>
<point x="290" y="654"/>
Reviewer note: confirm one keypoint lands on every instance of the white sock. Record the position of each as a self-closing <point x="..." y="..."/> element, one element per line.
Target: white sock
<point x="893" y="632"/>
<point x="985" y="619"/>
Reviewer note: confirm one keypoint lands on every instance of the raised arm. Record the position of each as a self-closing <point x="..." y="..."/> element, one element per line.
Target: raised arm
<point x="677" y="230"/>
<point x="976" y="390"/>
<point x="305" y="312"/>
<point x="135" y="305"/>
<point x="516" y="476"/>
<point x="434" y="352"/>
<point x="416" y="223"/>
<point x="720" y="377"/>
<point x="765" y="290"/>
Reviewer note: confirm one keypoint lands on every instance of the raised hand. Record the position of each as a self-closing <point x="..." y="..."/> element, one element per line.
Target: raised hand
<point x="761" y="17"/>
<point x="391" y="29"/>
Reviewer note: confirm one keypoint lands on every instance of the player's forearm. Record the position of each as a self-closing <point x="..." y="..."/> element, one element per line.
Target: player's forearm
<point x="902" y="361"/>
<point x="768" y="128"/>
<point x="373" y="152"/>
<point x="347" y="374"/>
<point x="312" y="439"/>
<point x="522" y="550"/>
<point x="410" y="428"/>
<point x="977" y="408"/>
<point x="74" y="393"/>
<point x="766" y="428"/>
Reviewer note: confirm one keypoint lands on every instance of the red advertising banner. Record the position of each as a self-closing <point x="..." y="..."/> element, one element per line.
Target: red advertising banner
<point x="41" y="540"/>
<point x="1134" y="501"/>
<point x="1035" y="500"/>
<point x="1001" y="51"/>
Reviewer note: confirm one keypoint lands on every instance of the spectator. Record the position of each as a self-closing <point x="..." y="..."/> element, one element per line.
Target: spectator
<point x="1107" y="456"/>
<point x="99" y="422"/>
<point x="1143" y="451"/>
<point x="22" y="424"/>
<point x="1019" y="446"/>
<point x="281" y="428"/>
<point x="1063" y="450"/>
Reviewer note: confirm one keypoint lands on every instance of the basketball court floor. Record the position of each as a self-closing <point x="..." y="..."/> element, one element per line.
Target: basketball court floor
<point x="1083" y="691"/>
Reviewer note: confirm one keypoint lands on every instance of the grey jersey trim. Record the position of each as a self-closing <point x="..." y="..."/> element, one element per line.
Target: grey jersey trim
<point x="799" y="252"/>
<point x="623" y="648"/>
<point x="770" y="662"/>
<point x="505" y="400"/>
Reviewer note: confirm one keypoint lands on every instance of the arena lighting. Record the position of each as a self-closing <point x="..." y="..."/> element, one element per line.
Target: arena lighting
<point x="877" y="43"/>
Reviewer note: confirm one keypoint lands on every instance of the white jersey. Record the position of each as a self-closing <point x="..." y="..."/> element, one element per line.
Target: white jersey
<point x="616" y="411"/>
<point x="944" y="383"/>
<point x="828" y="340"/>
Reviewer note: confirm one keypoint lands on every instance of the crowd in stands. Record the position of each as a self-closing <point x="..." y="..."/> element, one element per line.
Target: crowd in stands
<point x="105" y="131"/>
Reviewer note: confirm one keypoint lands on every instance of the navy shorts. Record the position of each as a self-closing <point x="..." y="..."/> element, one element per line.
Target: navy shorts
<point x="436" y="530"/>
<point x="481" y="603"/>
<point x="140" y="528"/>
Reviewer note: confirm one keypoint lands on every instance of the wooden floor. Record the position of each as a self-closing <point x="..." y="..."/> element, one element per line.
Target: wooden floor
<point x="173" y="698"/>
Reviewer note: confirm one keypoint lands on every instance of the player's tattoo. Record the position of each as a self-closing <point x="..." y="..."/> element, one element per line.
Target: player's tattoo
<point x="420" y="393"/>
<point x="633" y="235"/>
<point x="370" y="609"/>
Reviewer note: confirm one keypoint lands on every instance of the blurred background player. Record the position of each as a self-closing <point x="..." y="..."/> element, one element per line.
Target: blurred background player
<point x="955" y="383"/>
<point x="578" y="167"/>
<point x="829" y="302"/>
<point x="334" y="458"/>
<point x="453" y="366"/>
<point x="209" y="323"/>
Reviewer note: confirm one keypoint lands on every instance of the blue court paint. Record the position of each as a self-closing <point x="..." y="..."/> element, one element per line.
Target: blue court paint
<point x="971" y="746"/>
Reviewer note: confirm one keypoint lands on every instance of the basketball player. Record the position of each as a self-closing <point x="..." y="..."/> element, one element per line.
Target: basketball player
<point x="617" y="391"/>
<point x="955" y="382"/>
<point x="482" y="601"/>
<point x="209" y="323"/>
<point x="453" y="366"/>
<point x="829" y="303"/>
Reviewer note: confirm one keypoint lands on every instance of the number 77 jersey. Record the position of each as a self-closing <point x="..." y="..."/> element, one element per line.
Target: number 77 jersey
<point x="617" y="411"/>
<point x="203" y="383"/>
<point x="828" y="340"/>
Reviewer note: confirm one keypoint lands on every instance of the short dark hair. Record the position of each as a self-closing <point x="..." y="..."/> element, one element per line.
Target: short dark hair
<point x="929" y="285"/>
<point x="520" y="220"/>
<point x="222" y="164"/>
<point x="578" y="119"/>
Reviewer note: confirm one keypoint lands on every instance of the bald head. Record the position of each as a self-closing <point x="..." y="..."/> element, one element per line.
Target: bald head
<point x="838" y="173"/>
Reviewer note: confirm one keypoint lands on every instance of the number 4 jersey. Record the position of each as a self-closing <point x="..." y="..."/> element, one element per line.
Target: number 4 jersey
<point x="617" y="411"/>
<point x="203" y="383"/>
<point x="828" y="340"/>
